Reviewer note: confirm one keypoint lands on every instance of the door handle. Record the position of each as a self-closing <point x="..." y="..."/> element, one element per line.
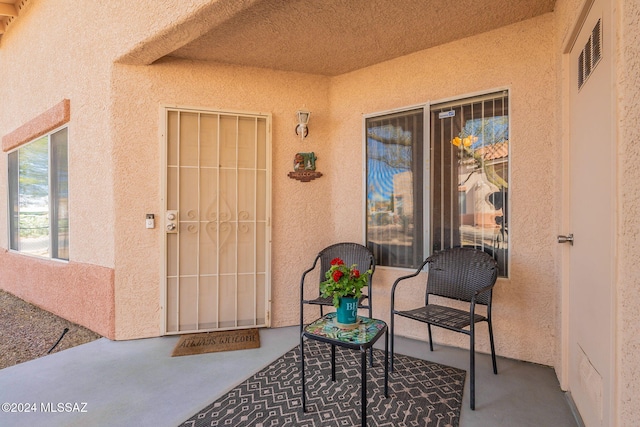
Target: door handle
<point x="172" y="221"/>
<point x="566" y="239"/>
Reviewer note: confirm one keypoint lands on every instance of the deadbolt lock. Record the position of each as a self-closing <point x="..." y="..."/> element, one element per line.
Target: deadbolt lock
<point x="171" y="223"/>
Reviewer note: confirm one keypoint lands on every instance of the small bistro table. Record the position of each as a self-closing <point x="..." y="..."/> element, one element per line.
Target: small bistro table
<point x="362" y="337"/>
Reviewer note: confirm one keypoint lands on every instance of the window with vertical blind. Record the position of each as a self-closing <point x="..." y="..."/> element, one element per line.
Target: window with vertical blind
<point x="443" y="187"/>
<point x="39" y="197"/>
<point x="395" y="177"/>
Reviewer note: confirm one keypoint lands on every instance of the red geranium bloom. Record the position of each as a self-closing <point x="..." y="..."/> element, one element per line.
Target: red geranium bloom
<point x="342" y="280"/>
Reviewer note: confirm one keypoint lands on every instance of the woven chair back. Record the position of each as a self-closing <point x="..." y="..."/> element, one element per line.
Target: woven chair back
<point x="458" y="273"/>
<point x="350" y="253"/>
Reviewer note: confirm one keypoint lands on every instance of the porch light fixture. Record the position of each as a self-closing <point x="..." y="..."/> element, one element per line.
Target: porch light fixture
<point x="303" y="119"/>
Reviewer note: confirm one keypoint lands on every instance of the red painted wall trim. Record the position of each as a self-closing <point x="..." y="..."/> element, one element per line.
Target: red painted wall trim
<point x="81" y="293"/>
<point x="38" y="126"/>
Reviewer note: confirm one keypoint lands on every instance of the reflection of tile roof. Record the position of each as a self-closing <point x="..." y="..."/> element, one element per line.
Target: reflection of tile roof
<point x="499" y="150"/>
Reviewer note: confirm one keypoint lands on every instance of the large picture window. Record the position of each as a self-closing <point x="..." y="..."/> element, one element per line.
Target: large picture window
<point x="38" y="197"/>
<point x="455" y="193"/>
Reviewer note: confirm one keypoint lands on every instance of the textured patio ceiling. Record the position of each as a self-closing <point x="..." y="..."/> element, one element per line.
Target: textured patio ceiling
<point x="332" y="37"/>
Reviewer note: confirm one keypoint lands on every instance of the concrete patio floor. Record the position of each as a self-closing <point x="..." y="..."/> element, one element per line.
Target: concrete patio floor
<point x="138" y="383"/>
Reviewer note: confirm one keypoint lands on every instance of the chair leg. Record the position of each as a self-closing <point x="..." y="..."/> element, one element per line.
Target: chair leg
<point x="370" y="349"/>
<point x="301" y="316"/>
<point x="430" y="338"/>
<point x="493" y="349"/>
<point x="304" y="396"/>
<point x="392" y="336"/>
<point x="472" y="371"/>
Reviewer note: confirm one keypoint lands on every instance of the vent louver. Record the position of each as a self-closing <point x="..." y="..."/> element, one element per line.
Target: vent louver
<point x="590" y="55"/>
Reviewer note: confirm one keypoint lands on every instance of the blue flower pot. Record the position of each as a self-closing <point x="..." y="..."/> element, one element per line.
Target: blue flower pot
<point x="347" y="311"/>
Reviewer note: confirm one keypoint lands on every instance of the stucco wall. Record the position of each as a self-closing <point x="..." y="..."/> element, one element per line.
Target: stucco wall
<point x="628" y="56"/>
<point x="60" y="66"/>
<point x="115" y="153"/>
<point x="60" y="49"/>
<point x="112" y="283"/>
<point x="329" y="209"/>
<point x="43" y="63"/>
<point x="81" y="293"/>
<point x="520" y="58"/>
<point x="301" y="221"/>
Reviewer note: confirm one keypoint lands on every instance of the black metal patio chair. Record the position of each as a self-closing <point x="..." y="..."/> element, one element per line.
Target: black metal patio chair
<point x="464" y="274"/>
<point x="350" y="253"/>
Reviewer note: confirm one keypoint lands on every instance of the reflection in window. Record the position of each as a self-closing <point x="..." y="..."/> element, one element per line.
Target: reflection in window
<point x="470" y="173"/>
<point x="394" y="188"/>
<point x="454" y="194"/>
<point x="38" y="197"/>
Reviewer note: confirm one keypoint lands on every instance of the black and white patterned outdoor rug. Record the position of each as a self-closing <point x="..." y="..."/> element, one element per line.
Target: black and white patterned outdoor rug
<point x="421" y="393"/>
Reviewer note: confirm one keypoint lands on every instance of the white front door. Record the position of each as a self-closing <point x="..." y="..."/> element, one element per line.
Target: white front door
<point x="591" y="333"/>
<point x="217" y="220"/>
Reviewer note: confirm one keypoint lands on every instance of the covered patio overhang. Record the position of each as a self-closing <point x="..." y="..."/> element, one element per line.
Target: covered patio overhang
<point x="325" y="38"/>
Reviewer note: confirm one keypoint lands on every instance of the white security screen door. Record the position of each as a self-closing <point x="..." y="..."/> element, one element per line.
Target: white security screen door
<point x="217" y="221"/>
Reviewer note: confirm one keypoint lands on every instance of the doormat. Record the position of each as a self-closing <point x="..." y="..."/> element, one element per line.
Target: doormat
<point x="211" y="342"/>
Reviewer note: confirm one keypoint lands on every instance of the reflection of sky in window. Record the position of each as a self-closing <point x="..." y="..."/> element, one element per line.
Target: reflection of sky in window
<point x="389" y="151"/>
<point x="386" y="159"/>
<point x="489" y="130"/>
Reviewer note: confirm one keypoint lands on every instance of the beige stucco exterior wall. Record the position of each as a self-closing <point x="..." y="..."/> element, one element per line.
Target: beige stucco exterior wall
<point x="60" y="66"/>
<point x="628" y="269"/>
<point x="40" y="65"/>
<point x="629" y="223"/>
<point x="300" y="214"/>
<point x="330" y="209"/>
<point x="518" y="57"/>
<point x="113" y="282"/>
<point x="115" y="129"/>
<point x="43" y="60"/>
<point x="60" y="49"/>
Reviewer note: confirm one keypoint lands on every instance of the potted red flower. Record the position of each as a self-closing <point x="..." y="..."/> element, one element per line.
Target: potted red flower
<point x="344" y="285"/>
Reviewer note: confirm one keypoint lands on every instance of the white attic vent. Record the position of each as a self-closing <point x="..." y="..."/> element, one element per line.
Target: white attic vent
<point x="590" y="55"/>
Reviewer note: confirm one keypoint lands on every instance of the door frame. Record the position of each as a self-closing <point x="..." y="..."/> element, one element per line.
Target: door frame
<point x="160" y="221"/>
